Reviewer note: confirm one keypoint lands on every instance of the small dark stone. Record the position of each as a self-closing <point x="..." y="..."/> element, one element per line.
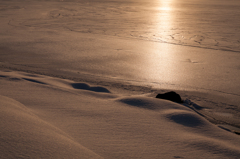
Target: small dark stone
<point x="172" y="96"/>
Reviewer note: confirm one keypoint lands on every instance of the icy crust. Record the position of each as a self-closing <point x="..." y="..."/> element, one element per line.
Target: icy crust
<point x="58" y="118"/>
<point x="147" y="21"/>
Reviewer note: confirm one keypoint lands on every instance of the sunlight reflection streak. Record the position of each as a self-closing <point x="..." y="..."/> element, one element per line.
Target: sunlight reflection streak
<point x="165" y="60"/>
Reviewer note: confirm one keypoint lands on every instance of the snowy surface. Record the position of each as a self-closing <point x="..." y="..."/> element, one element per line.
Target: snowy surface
<point x="104" y="55"/>
<point x="46" y="117"/>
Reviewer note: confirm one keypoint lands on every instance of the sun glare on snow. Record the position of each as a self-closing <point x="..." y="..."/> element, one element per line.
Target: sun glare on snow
<point x="165" y="8"/>
<point x="165" y="5"/>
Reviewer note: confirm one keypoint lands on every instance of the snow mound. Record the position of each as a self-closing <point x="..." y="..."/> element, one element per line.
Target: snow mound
<point x="24" y="135"/>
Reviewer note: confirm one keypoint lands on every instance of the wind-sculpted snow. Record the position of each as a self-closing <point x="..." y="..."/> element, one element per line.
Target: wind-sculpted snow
<point x="59" y="118"/>
<point x="119" y="42"/>
<point x="84" y="74"/>
<point x="25" y="135"/>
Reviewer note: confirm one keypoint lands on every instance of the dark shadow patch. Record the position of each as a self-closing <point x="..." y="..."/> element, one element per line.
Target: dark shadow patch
<point x="230" y="128"/>
<point x="10" y="78"/>
<point x="32" y="80"/>
<point x="14" y="79"/>
<point x="139" y="103"/>
<point x="226" y="129"/>
<point x="189" y="120"/>
<point x="197" y="107"/>
<point x="236" y="132"/>
<point x="99" y="89"/>
<point x="192" y="105"/>
<point x="87" y="87"/>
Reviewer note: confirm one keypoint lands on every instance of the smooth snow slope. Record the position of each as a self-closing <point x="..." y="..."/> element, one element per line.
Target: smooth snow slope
<point x="50" y="117"/>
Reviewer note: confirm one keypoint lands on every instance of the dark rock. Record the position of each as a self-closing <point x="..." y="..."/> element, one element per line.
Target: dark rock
<point x="172" y="96"/>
